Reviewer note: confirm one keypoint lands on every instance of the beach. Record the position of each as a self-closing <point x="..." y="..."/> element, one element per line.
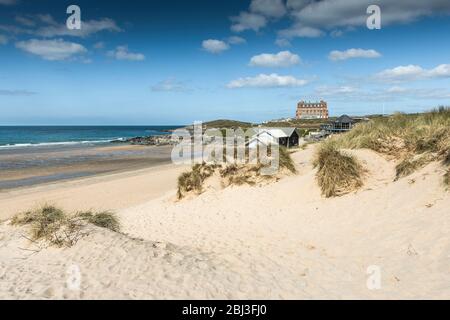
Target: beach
<point x="35" y="155"/>
<point x="281" y="240"/>
<point x="241" y="151"/>
<point x="102" y="177"/>
<point x="23" y="167"/>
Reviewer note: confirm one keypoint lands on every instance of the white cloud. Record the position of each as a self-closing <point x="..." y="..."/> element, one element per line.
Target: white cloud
<point x="283" y="43"/>
<point x="396" y="89"/>
<point x="314" y="18"/>
<point x="414" y="72"/>
<point x="267" y="81"/>
<point x="44" y="25"/>
<point x="169" y="85"/>
<point x="441" y="71"/>
<point x="280" y="59"/>
<point x="236" y="40"/>
<point x="297" y="4"/>
<point x="353" y="53"/>
<point x="259" y="13"/>
<point x="248" y="21"/>
<point x="215" y="46"/>
<point x="300" y="31"/>
<point x="268" y="8"/>
<point x="408" y="72"/>
<point x="328" y="14"/>
<point x="218" y="46"/>
<point x="3" y="40"/>
<point x="51" y="49"/>
<point x="87" y="28"/>
<point x="122" y="53"/>
<point x="31" y="20"/>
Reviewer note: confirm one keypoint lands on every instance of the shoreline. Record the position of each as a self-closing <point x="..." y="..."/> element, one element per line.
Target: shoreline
<point x="103" y="191"/>
<point x="106" y="177"/>
<point x="26" y="168"/>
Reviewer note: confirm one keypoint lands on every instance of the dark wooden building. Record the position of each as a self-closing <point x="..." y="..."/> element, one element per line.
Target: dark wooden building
<point x="290" y="139"/>
<point x="342" y="124"/>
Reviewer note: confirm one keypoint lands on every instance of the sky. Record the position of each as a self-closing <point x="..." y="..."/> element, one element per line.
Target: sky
<point x="174" y="62"/>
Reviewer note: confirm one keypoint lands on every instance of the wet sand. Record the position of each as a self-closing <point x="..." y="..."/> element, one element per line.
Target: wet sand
<point x="30" y="167"/>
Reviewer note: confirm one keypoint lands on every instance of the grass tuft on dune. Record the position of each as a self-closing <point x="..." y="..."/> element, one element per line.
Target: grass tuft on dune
<point x="338" y="173"/>
<point x="192" y="181"/>
<point x="105" y="219"/>
<point x="230" y="174"/>
<point x="55" y="226"/>
<point x="408" y="166"/>
<point x="399" y="133"/>
<point x="404" y="136"/>
<point x="286" y="161"/>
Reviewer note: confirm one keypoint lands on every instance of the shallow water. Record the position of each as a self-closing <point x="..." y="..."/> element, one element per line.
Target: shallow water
<point x="21" y="167"/>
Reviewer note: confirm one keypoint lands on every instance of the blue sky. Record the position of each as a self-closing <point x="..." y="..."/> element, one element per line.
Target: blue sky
<point x="174" y="62"/>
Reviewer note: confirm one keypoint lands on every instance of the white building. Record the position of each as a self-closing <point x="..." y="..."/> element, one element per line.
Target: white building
<point x="287" y="137"/>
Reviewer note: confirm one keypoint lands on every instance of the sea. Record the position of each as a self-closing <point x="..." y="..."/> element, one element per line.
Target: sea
<point x="41" y="154"/>
<point x="36" y="136"/>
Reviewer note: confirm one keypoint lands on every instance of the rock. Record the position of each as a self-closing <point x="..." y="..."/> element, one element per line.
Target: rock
<point x="160" y="140"/>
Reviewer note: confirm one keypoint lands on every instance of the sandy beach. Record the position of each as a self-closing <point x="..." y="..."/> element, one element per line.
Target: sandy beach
<point x="22" y="167"/>
<point x="277" y="241"/>
<point x="109" y="191"/>
<point x="243" y="151"/>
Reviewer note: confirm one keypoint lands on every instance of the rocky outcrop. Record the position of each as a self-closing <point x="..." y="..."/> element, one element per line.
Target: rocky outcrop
<point x="160" y="140"/>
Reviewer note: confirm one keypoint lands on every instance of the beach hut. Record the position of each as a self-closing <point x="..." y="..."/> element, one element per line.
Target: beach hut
<point x="287" y="137"/>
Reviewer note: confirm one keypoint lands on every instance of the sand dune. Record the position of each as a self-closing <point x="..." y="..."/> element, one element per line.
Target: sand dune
<point x="278" y="241"/>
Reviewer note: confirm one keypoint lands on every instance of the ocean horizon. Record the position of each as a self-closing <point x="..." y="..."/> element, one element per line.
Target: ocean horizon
<point x="33" y="136"/>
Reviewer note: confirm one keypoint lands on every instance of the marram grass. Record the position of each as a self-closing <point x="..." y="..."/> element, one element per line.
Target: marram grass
<point x="231" y="174"/>
<point x="403" y="137"/>
<point x="337" y="172"/>
<point x="58" y="228"/>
